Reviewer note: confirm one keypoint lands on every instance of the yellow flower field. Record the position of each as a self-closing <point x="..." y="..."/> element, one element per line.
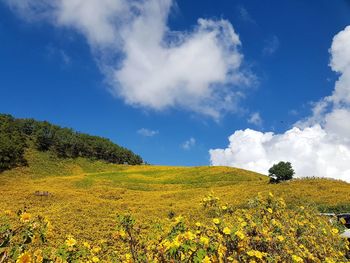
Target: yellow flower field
<point x="252" y="234"/>
<point x="85" y="198"/>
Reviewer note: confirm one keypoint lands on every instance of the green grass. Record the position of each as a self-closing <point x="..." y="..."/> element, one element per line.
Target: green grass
<point x="139" y="178"/>
<point x="47" y="164"/>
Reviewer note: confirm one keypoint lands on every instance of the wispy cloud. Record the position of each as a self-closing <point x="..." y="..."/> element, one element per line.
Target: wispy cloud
<point x="148" y="65"/>
<point x="293" y="112"/>
<point x="255" y="119"/>
<point x="244" y="15"/>
<point x="58" y="54"/>
<point x="65" y="57"/>
<point x="147" y="132"/>
<point x="190" y="143"/>
<point x="271" y="45"/>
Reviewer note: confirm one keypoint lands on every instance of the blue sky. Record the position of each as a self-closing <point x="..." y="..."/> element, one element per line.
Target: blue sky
<point x="53" y="72"/>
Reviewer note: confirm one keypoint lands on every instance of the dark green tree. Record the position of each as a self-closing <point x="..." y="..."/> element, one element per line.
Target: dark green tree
<point x="12" y="143"/>
<point x="44" y="135"/>
<point x="18" y="134"/>
<point x="281" y="171"/>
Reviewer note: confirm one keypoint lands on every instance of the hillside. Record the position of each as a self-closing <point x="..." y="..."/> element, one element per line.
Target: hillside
<point x="85" y="196"/>
<point x="17" y="135"/>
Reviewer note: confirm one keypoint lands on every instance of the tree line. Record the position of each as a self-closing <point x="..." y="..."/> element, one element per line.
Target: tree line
<point x="17" y="134"/>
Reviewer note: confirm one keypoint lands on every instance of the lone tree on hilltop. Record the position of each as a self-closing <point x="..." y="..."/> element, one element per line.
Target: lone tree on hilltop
<point x="281" y="171"/>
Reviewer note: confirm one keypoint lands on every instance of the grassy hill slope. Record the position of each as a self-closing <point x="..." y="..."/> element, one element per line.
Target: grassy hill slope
<point x="86" y="195"/>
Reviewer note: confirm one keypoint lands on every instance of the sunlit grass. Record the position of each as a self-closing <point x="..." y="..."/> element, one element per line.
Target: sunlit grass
<point x="87" y="195"/>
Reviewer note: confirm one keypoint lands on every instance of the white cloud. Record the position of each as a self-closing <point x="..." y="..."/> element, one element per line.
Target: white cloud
<point x="147" y="132"/>
<point x="311" y="151"/>
<point x="65" y="58"/>
<point x="190" y="143"/>
<point x="293" y="112"/>
<point x="244" y="15"/>
<point x="317" y="146"/>
<point x="56" y="53"/>
<point x="146" y="63"/>
<point x="32" y="10"/>
<point x="340" y="62"/>
<point x="271" y="45"/>
<point x="99" y="21"/>
<point x="255" y="119"/>
<point x="337" y="122"/>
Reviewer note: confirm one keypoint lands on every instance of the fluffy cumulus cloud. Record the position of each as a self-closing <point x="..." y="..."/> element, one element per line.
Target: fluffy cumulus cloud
<point x="146" y="63"/>
<point x="317" y="146"/>
<point x="312" y="152"/>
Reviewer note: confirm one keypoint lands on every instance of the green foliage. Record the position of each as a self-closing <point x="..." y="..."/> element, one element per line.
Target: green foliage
<point x="12" y="144"/>
<point x="64" y="142"/>
<point x="44" y="135"/>
<point x="19" y="232"/>
<point x="282" y="171"/>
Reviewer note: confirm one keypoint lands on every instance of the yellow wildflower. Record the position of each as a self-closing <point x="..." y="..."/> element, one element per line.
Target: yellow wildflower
<point x="24" y="258"/>
<point x="128" y="257"/>
<point x="70" y="242"/>
<point x="166" y="244"/>
<point x="204" y="240"/>
<point x="221" y="251"/>
<point x="189" y="235"/>
<point x="335" y="231"/>
<point x="244" y="224"/>
<point x="296" y="259"/>
<point x="240" y="234"/>
<point x="226" y="231"/>
<point x="280" y="238"/>
<point x="216" y="221"/>
<point x="182" y="256"/>
<point x="256" y="253"/>
<point x="176" y="242"/>
<point x="96" y="249"/>
<point x="95" y="259"/>
<point x="206" y="259"/>
<point x="122" y="233"/>
<point x="25" y="217"/>
<point x="329" y="260"/>
<point x="38" y="256"/>
<point x="178" y="219"/>
<point x="86" y="244"/>
<point x="8" y="212"/>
